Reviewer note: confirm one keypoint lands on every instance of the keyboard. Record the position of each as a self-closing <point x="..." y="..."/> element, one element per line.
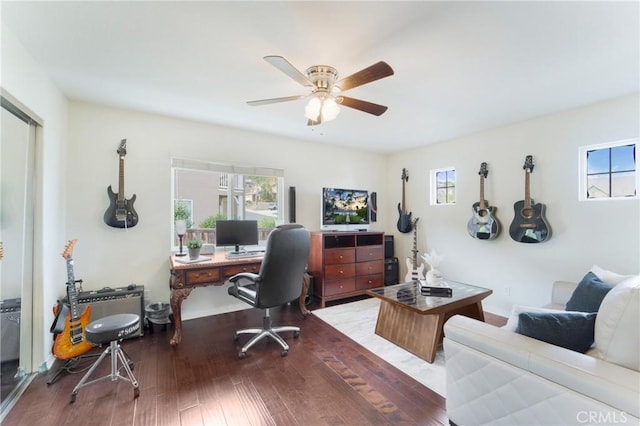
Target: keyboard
<point x="252" y="253"/>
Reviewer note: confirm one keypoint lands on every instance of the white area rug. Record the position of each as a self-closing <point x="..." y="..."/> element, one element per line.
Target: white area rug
<point x="358" y="321"/>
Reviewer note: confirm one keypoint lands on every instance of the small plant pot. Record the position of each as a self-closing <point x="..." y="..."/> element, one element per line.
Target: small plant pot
<point x="194" y="253"/>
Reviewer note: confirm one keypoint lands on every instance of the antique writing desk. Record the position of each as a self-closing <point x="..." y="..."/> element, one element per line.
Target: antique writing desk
<point x="215" y="271"/>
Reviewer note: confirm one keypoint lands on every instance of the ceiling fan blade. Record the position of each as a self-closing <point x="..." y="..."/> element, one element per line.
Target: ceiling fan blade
<point x="361" y="105"/>
<point x="276" y="100"/>
<point x="367" y="75"/>
<point x="283" y="65"/>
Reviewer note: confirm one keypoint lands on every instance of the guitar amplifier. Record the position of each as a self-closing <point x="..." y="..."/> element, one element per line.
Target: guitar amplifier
<point x="391" y="271"/>
<point x="10" y="324"/>
<point x="113" y="301"/>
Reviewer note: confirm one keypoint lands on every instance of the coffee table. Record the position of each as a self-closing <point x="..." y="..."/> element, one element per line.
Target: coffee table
<point x="415" y="322"/>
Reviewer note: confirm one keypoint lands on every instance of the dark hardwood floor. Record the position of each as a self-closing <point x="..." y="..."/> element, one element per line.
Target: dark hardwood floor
<point x="326" y="379"/>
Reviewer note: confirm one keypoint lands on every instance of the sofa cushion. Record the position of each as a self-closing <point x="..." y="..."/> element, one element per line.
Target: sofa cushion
<point x="588" y="294"/>
<point x="617" y="331"/>
<point x="570" y="330"/>
<point x="609" y="277"/>
<point x="516" y="310"/>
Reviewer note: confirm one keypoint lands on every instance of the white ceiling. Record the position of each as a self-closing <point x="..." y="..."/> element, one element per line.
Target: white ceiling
<point x="459" y="66"/>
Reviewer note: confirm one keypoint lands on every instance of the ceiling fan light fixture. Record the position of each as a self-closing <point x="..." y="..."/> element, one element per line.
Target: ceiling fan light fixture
<point x="322" y="107"/>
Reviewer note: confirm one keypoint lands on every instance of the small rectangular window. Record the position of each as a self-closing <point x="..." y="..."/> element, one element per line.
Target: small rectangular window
<point x="443" y="186"/>
<point x="609" y="170"/>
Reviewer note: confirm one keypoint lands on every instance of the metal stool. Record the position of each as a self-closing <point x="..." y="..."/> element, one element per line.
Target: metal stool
<point x="111" y="330"/>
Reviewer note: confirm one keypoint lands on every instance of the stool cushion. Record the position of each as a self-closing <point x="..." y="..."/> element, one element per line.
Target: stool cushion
<point x="113" y="327"/>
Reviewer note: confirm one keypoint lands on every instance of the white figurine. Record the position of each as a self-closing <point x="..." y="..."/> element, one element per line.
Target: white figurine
<point x="433" y="259"/>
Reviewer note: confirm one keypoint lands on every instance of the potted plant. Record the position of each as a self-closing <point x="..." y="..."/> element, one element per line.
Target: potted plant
<point x="194" y="245"/>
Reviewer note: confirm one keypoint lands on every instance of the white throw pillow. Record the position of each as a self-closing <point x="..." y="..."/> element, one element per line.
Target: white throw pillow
<point x="609" y="277"/>
<point x="516" y="310"/>
<point x="617" y="331"/>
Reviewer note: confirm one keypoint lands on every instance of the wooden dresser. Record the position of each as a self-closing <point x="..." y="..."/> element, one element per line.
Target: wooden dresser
<point x="345" y="264"/>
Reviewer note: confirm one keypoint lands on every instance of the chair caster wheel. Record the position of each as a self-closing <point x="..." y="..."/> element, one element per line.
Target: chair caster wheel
<point x="296" y="334"/>
<point x="242" y="355"/>
<point x="284" y="352"/>
<point x="235" y="337"/>
<point x="73" y="397"/>
<point x="131" y="365"/>
<point x="136" y="392"/>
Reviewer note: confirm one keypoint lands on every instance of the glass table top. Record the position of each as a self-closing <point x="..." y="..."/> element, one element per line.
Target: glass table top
<point x="409" y="294"/>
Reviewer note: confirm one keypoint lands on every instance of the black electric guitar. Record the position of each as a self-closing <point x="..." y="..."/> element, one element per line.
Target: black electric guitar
<point x="404" y="221"/>
<point x="69" y="325"/>
<point x="121" y="213"/>
<point x="529" y="224"/>
<point x="483" y="224"/>
<point x="414" y="272"/>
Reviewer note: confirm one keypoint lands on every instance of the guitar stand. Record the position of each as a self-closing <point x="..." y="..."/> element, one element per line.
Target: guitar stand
<point x="68" y="366"/>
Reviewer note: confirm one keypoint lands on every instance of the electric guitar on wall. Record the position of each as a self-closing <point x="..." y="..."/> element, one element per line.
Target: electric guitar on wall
<point x="70" y="341"/>
<point x="483" y="225"/>
<point x="415" y="272"/>
<point x="120" y="213"/>
<point x="404" y="221"/>
<point x="529" y="224"/>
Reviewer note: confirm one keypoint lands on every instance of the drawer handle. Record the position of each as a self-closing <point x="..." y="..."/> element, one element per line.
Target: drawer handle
<point x="341" y="272"/>
<point x="340" y="256"/>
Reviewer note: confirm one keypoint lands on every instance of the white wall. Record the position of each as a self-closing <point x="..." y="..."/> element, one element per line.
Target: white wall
<point x="23" y="78"/>
<point x="113" y="257"/>
<point x="584" y="233"/>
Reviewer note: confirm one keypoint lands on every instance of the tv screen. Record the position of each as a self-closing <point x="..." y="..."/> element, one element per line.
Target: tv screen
<point x="236" y="233"/>
<point x="345" y="209"/>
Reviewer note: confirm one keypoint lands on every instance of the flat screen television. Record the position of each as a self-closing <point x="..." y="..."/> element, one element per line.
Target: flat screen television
<point x="344" y="209"/>
<point x="236" y="233"/>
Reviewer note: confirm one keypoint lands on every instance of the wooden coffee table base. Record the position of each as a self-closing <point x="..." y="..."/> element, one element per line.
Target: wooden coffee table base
<point x="419" y="334"/>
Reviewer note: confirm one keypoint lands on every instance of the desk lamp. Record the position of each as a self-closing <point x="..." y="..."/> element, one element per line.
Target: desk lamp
<point x="181" y="229"/>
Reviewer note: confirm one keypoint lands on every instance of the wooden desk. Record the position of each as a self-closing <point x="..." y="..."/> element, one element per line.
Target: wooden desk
<point x="215" y="271"/>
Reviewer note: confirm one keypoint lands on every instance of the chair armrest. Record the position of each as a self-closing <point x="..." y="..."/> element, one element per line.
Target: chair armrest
<point x="253" y="278"/>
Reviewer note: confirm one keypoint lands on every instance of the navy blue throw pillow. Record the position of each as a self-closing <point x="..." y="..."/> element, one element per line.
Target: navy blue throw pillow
<point x="588" y="295"/>
<point x="570" y="330"/>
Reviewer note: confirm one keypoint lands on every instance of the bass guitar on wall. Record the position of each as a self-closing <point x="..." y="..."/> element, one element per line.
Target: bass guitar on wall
<point x="483" y="224"/>
<point x="415" y="272"/>
<point x="404" y="221"/>
<point x="120" y="213"/>
<point x="69" y="325"/>
<point x="529" y="224"/>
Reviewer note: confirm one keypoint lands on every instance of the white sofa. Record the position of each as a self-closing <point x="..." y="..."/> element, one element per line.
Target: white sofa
<point x="498" y="377"/>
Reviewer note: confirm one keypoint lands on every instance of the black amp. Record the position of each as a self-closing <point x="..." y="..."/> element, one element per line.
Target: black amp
<point x="105" y="302"/>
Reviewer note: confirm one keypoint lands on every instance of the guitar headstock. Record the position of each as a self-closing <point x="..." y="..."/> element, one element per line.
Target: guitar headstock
<point x="68" y="249"/>
<point x="414" y="222"/>
<point x="122" y="149"/>
<point x="483" y="170"/>
<point x="528" y="163"/>
<point x="405" y="175"/>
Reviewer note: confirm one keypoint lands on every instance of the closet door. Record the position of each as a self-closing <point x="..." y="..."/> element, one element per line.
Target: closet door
<point x="17" y="160"/>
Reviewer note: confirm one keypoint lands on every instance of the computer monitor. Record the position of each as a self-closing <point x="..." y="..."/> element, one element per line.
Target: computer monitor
<point x="236" y="233"/>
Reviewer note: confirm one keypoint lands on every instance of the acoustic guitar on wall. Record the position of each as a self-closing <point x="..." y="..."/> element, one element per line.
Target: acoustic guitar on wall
<point x="483" y="224"/>
<point x="69" y="325"/>
<point x="120" y="213"/>
<point x="529" y="224"/>
<point x="404" y="221"/>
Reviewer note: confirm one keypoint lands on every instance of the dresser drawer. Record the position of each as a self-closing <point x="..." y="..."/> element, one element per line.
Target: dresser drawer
<point x="332" y="288"/>
<point x="369" y="281"/>
<point x="335" y="256"/>
<point x="203" y="276"/>
<point x="335" y="272"/>
<point x="229" y="271"/>
<point x="373" y="267"/>
<point x="367" y="253"/>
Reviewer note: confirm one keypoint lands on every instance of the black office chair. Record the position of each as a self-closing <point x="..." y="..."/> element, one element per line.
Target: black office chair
<point x="278" y="282"/>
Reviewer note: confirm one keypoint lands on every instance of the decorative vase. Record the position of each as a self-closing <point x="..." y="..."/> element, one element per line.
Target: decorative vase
<point x="194" y="253"/>
<point x="434" y="278"/>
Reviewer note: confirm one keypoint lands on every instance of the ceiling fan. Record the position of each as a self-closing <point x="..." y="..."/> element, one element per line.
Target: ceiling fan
<point x="326" y="89"/>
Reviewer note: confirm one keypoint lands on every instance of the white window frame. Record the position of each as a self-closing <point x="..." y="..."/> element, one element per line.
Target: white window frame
<point x="582" y="169"/>
<point x="433" y="196"/>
